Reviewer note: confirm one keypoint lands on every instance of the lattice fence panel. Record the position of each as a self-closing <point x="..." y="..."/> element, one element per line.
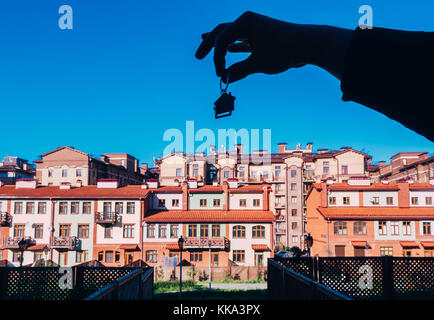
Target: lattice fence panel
<point x="33" y="283"/>
<point x="94" y="279"/>
<point x="303" y="265"/>
<point x="413" y="277"/>
<point x="350" y="275"/>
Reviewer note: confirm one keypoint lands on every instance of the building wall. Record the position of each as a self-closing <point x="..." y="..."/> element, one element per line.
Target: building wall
<point x="194" y="201"/>
<point x="167" y="197"/>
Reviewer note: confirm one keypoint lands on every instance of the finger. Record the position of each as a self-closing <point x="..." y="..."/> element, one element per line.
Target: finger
<point x="208" y="41"/>
<point x="239" y="47"/>
<point x="240" y="70"/>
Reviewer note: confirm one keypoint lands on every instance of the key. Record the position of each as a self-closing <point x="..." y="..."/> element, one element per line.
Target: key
<point x="225" y="104"/>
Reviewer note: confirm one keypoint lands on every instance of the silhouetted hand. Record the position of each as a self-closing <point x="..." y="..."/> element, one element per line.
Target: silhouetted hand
<point x="275" y="46"/>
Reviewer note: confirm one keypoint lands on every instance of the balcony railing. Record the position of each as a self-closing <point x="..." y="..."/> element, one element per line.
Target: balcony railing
<point x="206" y="243"/>
<point x="280" y="231"/>
<point x="279" y="205"/>
<point x="106" y="217"/>
<point x="309" y="178"/>
<point x="12" y="242"/>
<point x="5" y="218"/>
<point x="68" y="243"/>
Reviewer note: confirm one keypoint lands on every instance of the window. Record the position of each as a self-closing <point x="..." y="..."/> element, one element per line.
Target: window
<point x="86" y="207"/>
<point x="50" y="172"/>
<point x="239" y="232"/>
<point x="215" y="259"/>
<point x="216" y="202"/>
<point x="204" y="230"/>
<point x="238" y="256"/>
<point x="389" y="200"/>
<point x="226" y="174"/>
<point x="78" y="172"/>
<point x="256" y="202"/>
<point x="196" y="257"/>
<point x="74" y="207"/>
<point x="81" y="256"/>
<point x="100" y="255"/>
<point x="428" y="200"/>
<point x="151" y="256"/>
<point x="340" y="227"/>
<point x="346" y="200"/>
<point x="243" y="202"/>
<point x="64" y="173"/>
<point x="38" y="256"/>
<point x="406" y="252"/>
<point x="258" y="232"/>
<point x="18" y="207"/>
<point x="414" y="200"/>
<point x="375" y="200"/>
<point x="294" y="225"/>
<point x="202" y="202"/>
<point x="175" y="202"/>
<point x="344" y="169"/>
<point x="19" y="231"/>
<point x="109" y="256"/>
<point x="63" y="207"/>
<point x="178" y="172"/>
<point x="293" y="212"/>
<point x="107" y="207"/>
<point x="395" y="228"/>
<point x="382" y="228"/>
<point x="195" y="170"/>
<point x="108" y="232"/>
<point x="293" y="186"/>
<point x="326" y="168"/>
<point x="16" y="256"/>
<point x="192" y="230"/>
<point x="128" y="231"/>
<point x="259" y="259"/>
<point x="332" y="200"/>
<point x="64" y="230"/>
<point x="119" y="207"/>
<point x="130" y="207"/>
<point x="428" y="253"/>
<point x="426" y="226"/>
<point x="30" y="207"/>
<point x="42" y="207"/>
<point x="293" y="173"/>
<point x="215" y="230"/>
<point x="293" y="199"/>
<point x="151" y="231"/>
<point x="39" y="231"/>
<point x="174" y="231"/>
<point x="407" y="228"/>
<point x="386" y="251"/>
<point x="294" y="239"/>
<point x="161" y="202"/>
<point x="359" y="227"/>
<point x="162" y="228"/>
<point x="83" y="231"/>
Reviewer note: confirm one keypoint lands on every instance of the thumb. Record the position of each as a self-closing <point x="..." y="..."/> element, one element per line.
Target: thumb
<point x="239" y="70"/>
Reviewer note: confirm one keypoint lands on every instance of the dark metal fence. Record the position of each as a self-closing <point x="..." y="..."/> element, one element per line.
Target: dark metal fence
<point x="369" y="277"/>
<point x="53" y="283"/>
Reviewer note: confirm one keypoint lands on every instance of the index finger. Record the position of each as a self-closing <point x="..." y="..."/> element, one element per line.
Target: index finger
<point x="208" y="40"/>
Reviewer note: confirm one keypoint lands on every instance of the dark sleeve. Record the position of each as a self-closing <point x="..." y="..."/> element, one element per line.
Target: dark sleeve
<point x="392" y="71"/>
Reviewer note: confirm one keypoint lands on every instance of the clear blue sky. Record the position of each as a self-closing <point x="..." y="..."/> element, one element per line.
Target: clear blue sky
<point x="127" y="72"/>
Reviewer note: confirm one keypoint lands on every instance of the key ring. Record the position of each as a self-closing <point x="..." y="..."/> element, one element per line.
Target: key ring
<point x="227" y="83"/>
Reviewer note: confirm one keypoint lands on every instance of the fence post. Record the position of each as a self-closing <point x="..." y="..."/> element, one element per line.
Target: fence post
<point x="388" y="289"/>
<point x="78" y="282"/>
<point x="140" y="284"/>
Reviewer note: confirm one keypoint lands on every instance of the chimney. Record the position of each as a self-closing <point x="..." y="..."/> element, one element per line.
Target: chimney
<point x="239" y="148"/>
<point x="107" y="183"/>
<point x="152" y="183"/>
<point x="26" y="183"/>
<point x="359" y="181"/>
<point x="184" y="196"/>
<point x="226" y="196"/>
<point x="192" y="183"/>
<point x="266" y="197"/>
<point x="324" y="195"/>
<point x="309" y="146"/>
<point x="232" y="183"/>
<point x="215" y="183"/>
<point x="320" y="151"/>
<point x="65" y="186"/>
<point x="403" y="194"/>
<point x="79" y="183"/>
<point x="381" y="164"/>
<point x="282" y="147"/>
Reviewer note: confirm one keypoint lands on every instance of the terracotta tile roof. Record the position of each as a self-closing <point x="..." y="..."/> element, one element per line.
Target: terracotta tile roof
<point x="409" y="244"/>
<point x="206" y="188"/>
<point x="172" y="246"/>
<point x="374" y="186"/>
<point x="37" y="247"/>
<point x="210" y="215"/>
<point x="134" y="247"/>
<point x="368" y="213"/>
<point x="166" y="189"/>
<point x="363" y="244"/>
<point x="260" y="247"/>
<point x="428" y="244"/>
<point x="86" y="192"/>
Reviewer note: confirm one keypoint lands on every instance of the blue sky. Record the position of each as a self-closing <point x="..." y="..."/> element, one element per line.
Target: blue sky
<point x="127" y="72"/>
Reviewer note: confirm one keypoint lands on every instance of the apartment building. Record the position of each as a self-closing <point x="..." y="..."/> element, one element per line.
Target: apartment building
<point x="414" y="166"/>
<point x="68" y="165"/>
<point x="13" y="168"/>
<point x="290" y="172"/>
<point x="360" y="218"/>
<point x="221" y="224"/>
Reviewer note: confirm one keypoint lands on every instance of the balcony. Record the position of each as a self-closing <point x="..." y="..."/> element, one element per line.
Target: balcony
<point x="280" y="231"/>
<point x="5" y="218"/>
<point x="206" y="243"/>
<point x="281" y="218"/>
<point x="66" y="243"/>
<point x="308" y="178"/>
<point x="107" y="218"/>
<point x="280" y="205"/>
<point x="12" y="242"/>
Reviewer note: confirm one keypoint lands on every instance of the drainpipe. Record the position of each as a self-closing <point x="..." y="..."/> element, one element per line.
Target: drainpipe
<point x="53" y="203"/>
<point x="328" y="248"/>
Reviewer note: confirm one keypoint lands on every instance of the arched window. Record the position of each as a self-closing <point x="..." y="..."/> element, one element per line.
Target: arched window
<point x="258" y="232"/>
<point x="239" y="232"/>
